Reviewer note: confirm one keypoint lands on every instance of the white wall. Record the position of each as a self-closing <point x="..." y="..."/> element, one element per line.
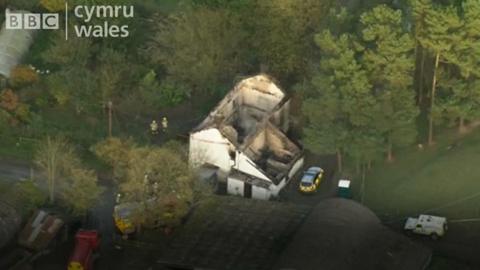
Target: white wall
<point x="235" y="187"/>
<point x="259" y="193"/>
<point x="209" y="146"/>
<point x="296" y="167"/>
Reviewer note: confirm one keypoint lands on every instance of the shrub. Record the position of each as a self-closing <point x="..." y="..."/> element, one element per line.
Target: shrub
<point x="22" y="76"/>
<point x="8" y="100"/>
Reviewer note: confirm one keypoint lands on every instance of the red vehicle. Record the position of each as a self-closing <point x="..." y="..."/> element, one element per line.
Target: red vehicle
<point x="86" y="243"/>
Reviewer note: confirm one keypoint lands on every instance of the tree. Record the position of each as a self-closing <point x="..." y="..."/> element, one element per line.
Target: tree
<point x="160" y="95"/>
<point x="8" y="100"/>
<point x="340" y="102"/>
<point x="67" y="53"/>
<point x="161" y="182"/>
<point x="31" y="195"/>
<point x="51" y="156"/>
<point x="23" y="76"/>
<point x="22" y="4"/>
<point x="390" y="64"/>
<point x="326" y="131"/>
<point x="460" y="99"/>
<point x="157" y="180"/>
<point x="115" y="152"/>
<point x="82" y="191"/>
<point x="462" y="94"/>
<point x="442" y="27"/>
<point x="230" y="4"/>
<point x="283" y="34"/>
<point x="199" y="47"/>
<point x="419" y="10"/>
<point x="53" y="5"/>
<point x="111" y="69"/>
<point x="66" y="177"/>
<point x="76" y="87"/>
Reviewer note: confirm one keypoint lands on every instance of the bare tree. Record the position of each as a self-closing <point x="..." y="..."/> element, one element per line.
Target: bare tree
<point x="51" y="156"/>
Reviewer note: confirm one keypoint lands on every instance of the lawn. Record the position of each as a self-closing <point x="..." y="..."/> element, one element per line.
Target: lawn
<point x="442" y="180"/>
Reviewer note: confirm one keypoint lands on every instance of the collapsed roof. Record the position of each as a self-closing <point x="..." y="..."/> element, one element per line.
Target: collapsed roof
<point x="253" y="117"/>
<point x="245" y="110"/>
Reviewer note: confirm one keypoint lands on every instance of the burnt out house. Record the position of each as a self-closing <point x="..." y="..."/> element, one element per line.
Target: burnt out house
<point x="245" y="137"/>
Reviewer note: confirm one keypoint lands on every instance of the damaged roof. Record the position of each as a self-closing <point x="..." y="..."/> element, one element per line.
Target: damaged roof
<point x="253" y="118"/>
<point x="245" y="110"/>
<point x="40" y="230"/>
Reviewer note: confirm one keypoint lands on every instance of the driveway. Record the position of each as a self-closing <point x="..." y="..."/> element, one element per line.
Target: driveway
<point x="461" y="243"/>
<point x="328" y="186"/>
<point x="13" y="171"/>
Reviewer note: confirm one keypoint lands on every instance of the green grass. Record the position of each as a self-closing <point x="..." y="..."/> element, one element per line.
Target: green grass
<point x="16" y="147"/>
<point x="439" y="263"/>
<point x="437" y="179"/>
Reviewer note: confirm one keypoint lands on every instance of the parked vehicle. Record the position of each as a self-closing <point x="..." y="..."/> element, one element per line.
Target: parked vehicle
<point x="86" y="244"/>
<point x="311" y="179"/>
<point x="34" y="240"/>
<point x="432" y="226"/>
<point x="344" y="190"/>
<point x="122" y="217"/>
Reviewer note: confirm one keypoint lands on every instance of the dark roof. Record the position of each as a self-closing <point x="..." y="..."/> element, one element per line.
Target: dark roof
<point x="40" y="230"/>
<point x="232" y="233"/>
<point x="341" y="234"/>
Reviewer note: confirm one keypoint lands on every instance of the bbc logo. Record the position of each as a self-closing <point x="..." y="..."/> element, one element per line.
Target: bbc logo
<point x="49" y="21"/>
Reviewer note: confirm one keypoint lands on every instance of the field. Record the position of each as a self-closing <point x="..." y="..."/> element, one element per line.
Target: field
<point x="443" y="179"/>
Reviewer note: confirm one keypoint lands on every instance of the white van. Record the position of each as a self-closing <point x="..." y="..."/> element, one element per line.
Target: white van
<point x="432" y="226"/>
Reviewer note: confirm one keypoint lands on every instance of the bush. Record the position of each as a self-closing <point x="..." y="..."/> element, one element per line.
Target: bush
<point x="31" y="196"/>
<point x="8" y="100"/>
<point x="22" y="76"/>
<point x="168" y="93"/>
<point x="53" y="5"/>
<point x="22" y="113"/>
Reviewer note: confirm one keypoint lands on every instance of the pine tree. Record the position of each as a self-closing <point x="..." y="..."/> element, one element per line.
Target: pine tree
<point x="340" y="104"/>
<point x="390" y="64"/>
<point x="419" y="10"/>
<point x="443" y="26"/>
<point x="461" y="101"/>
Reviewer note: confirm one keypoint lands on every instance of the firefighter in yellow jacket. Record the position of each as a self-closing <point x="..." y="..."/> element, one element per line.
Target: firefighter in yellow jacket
<point x="164" y="124"/>
<point x="154" y="127"/>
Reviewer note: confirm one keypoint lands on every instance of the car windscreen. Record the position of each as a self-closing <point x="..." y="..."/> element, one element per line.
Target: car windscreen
<point x="308" y="178"/>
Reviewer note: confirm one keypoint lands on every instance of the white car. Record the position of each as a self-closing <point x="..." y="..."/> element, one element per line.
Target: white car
<point x="432" y="226"/>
